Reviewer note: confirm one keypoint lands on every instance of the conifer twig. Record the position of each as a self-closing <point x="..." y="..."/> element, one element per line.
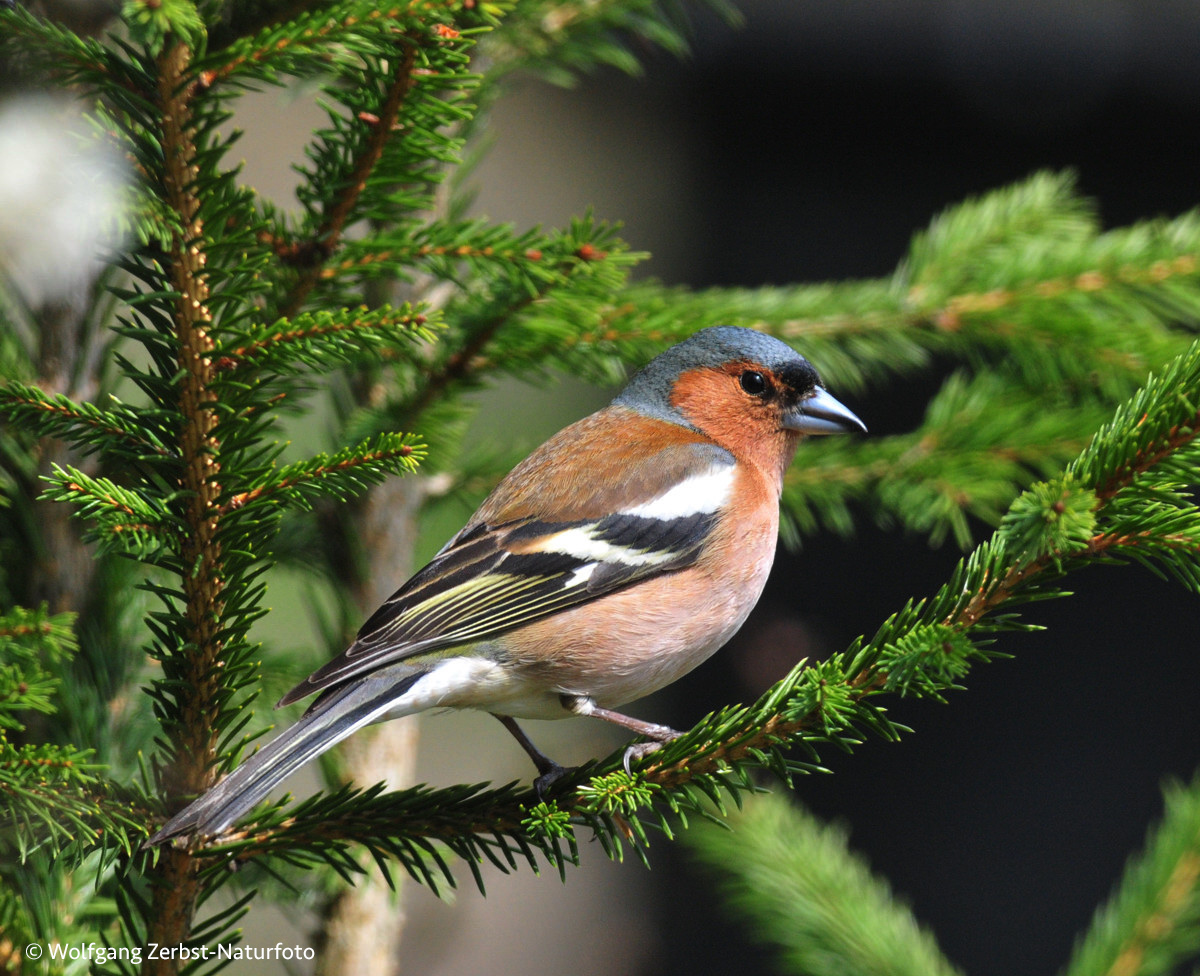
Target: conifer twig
<point x="1151" y="921"/>
<point x="794" y="881"/>
<point x="175" y="884"/>
<point x="329" y="233"/>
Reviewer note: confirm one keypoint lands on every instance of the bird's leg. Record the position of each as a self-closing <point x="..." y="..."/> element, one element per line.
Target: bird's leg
<point x="659" y="735"/>
<point x="549" y="771"/>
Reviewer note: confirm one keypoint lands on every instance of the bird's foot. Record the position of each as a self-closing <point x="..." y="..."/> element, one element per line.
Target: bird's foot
<point x="640" y="750"/>
<point x="550" y="774"/>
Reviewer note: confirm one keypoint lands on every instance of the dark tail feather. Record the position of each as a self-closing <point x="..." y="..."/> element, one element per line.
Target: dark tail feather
<point x="332" y="718"/>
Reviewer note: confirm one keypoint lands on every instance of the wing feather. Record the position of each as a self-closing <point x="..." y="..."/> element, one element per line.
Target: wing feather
<point x="493" y="577"/>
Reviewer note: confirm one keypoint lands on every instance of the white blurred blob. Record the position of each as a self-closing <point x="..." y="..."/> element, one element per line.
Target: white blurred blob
<point x="61" y="192"/>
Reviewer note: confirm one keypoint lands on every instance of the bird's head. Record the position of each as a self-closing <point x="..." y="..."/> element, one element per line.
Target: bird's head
<point x="747" y="391"/>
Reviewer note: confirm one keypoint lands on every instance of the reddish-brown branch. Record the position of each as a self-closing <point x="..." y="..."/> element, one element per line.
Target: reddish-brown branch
<point x="456" y="367"/>
<point x="25" y="630"/>
<point x="107" y="499"/>
<point x="109" y="430"/>
<point x="462" y="251"/>
<point x="245" y="497"/>
<point x="236" y="357"/>
<point x="1176" y="437"/>
<point x="314" y="38"/>
<point x="329" y="234"/>
<point x="175" y="879"/>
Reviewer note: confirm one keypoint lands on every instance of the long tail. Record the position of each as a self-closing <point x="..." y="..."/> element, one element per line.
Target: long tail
<point x="339" y="713"/>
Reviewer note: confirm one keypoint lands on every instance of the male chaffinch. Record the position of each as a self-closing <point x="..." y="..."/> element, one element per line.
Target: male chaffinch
<point x="614" y="559"/>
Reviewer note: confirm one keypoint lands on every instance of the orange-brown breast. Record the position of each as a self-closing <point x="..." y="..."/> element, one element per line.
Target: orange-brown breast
<point x="628" y="644"/>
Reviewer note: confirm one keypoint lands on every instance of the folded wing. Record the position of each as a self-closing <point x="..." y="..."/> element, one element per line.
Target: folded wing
<point x="502" y="572"/>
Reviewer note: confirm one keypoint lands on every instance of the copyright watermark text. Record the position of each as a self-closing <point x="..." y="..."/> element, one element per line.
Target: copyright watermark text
<point x="100" y="954"/>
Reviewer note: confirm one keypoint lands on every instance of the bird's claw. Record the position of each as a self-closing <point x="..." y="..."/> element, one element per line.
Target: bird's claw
<point x="550" y="774"/>
<point x="640" y="750"/>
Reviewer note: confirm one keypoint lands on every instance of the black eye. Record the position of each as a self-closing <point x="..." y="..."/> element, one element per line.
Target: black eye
<point x="754" y="383"/>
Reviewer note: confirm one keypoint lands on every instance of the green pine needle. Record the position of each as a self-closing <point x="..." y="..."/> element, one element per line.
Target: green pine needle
<point x="1151" y="924"/>
<point x="797" y="885"/>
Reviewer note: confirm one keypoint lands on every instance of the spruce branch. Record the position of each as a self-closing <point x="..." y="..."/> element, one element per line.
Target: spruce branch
<point x="1151" y="923"/>
<point x="797" y="884"/>
<point x="395" y="117"/>
<point x="52" y="797"/>
<point x="326" y="339"/>
<point x="61" y="54"/>
<point x="197" y="670"/>
<point x="33" y="644"/>
<point x="338" y="476"/>
<point x="516" y="325"/>
<point x="303" y="45"/>
<point x="55" y="797"/>
<point x="479" y="247"/>
<point x="380" y="127"/>
<point x="1044" y="208"/>
<point x="981" y="436"/>
<point x="117" y="431"/>
<point x="379" y="130"/>
<point x="122" y="519"/>
<point x="560" y="41"/>
<point x="325" y="828"/>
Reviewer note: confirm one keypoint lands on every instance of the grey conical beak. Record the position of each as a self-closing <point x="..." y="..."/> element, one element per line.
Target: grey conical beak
<point x="822" y="414"/>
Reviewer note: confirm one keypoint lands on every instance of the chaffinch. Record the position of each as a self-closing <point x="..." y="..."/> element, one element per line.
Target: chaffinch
<point x="614" y="559"/>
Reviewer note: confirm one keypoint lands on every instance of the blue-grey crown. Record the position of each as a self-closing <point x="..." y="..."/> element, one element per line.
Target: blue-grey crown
<point x="649" y="392"/>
